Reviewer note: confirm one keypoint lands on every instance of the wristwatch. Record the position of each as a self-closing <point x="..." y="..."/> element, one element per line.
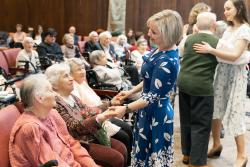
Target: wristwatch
<point x="128" y="110"/>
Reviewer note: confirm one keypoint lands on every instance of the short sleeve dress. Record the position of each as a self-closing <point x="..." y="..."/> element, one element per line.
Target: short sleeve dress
<point x="230" y="87"/>
<point x="153" y="132"/>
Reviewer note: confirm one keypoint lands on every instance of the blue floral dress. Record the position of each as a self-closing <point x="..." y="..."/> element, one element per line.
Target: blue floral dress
<point x="153" y="132"/>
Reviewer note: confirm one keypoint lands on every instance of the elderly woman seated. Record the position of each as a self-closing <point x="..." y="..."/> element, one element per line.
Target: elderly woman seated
<point x="70" y="50"/>
<point x="40" y="134"/>
<point x="107" y="74"/>
<point x="28" y="57"/>
<point x="121" y="46"/>
<point x="93" y="40"/>
<point x="83" y="122"/>
<point x="91" y="99"/>
<point x="141" y="50"/>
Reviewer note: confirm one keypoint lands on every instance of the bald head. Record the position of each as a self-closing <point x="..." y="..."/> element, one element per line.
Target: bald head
<point x="206" y="21"/>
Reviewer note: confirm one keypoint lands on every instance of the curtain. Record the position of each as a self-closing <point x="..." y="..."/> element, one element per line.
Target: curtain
<point x="116" y="16"/>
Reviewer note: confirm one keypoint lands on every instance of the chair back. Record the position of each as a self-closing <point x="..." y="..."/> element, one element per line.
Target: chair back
<point x="81" y="45"/>
<point x="11" y="55"/>
<point x="95" y="83"/>
<point x="8" y="117"/>
<point x="4" y="63"/>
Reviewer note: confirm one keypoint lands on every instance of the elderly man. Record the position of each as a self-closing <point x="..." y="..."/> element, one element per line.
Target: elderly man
<point x="93" y="39"/>
<point x="196" y="99"/>
<point x="49" y="50"/>
<point x="112" y="57"/>
<point x="105" y="45"/>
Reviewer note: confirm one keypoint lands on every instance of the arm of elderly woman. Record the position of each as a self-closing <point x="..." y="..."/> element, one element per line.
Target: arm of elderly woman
<point x="35" y="147"/>
<point x="81" y="155"/>
<point x="87" y="126"/>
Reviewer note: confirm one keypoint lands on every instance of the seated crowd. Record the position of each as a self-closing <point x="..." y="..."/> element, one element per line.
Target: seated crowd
<point x="66" y="120"/>
<point x="62" y="113"/>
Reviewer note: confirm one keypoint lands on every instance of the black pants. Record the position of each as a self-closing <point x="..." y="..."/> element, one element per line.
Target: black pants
<point x="196" y="114"/>
<point x="133" y="74"/>
<point x="124" y="135"/>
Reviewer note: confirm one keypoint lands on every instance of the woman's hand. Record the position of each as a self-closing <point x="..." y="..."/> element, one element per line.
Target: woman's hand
<point x="107" y="114"/>
<point x="202" y="48"/>
<point x="116" y="101"/>
<point x="120" y="110"/>
<point x="123" y="95"/>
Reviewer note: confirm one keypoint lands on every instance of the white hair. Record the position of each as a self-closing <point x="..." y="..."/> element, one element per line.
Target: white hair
<point x="92" y="33"/>
<point x="75" y="61"/>
<point x="54" y="72"/>
<point x="105" y="34"/>
<point x="27" y="39"/>
<point x="95" y="56"/>
<point x="32" y="85"/>
<point x="122" y="36"/>
<point x="221" y="26"/>
<point x="205" y="20"/>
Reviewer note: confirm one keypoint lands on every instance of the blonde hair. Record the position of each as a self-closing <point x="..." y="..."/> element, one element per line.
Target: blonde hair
<point x="170" y="25"/>
<point x="66" y="37"/>
<point x="198" y="8"/>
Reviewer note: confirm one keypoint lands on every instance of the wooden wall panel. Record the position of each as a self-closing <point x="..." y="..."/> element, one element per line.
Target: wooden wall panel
<point x="88" y="15"/>
<point x="185" y="6"/>
<point x="138" y="11"/>
<point x="32" y="13"/>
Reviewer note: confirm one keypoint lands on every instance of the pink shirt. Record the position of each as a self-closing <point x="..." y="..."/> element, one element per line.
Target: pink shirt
<point x="35" y="141"/>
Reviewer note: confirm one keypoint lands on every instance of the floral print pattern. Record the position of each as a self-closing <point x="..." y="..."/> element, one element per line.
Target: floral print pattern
<point x="153" y="131"/>
<point x="230" y="87"/>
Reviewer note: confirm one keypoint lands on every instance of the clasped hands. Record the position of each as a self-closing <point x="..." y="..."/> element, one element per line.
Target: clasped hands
<point x="117" y="110"/>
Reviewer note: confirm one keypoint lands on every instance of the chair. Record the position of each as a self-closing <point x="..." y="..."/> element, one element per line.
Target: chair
<point x="5" y="71"/>
<point x="86" y="56"/>
<point x="102" y="89"/>
<point x="81" y="45"/>
<point x="10" y="56"/>
<point x="94" y="81"/>
<point x="8" y="117"/>
<point x="4" y="63"/>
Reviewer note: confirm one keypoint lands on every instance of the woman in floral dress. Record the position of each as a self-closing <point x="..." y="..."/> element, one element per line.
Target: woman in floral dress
<point x="231" y="80"/>
<point x="153" y="132"/>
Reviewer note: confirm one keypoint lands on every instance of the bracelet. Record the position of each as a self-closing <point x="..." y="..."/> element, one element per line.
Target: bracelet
<point x="128" y="110"/>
